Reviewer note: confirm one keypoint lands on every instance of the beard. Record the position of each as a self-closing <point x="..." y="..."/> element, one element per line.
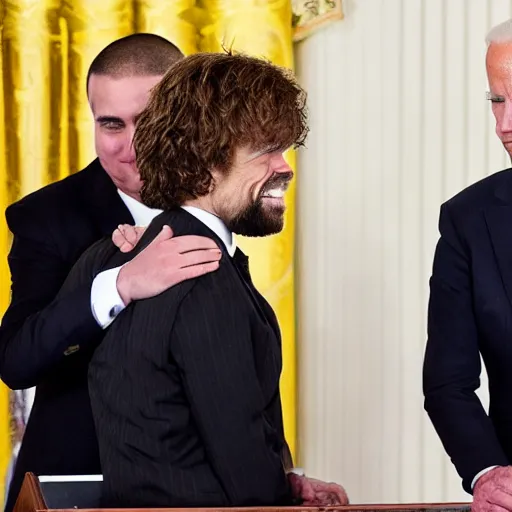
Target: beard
<point x="258" y="219"/>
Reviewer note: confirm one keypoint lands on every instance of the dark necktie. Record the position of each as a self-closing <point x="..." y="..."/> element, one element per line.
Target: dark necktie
<point x="241" y="262"/>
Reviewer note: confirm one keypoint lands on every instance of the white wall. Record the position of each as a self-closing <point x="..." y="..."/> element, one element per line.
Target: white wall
<point x="399" y="124"/>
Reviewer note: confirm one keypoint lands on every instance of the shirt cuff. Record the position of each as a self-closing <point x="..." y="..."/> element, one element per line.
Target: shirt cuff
<point x="481" y="473"/>
<point x="297" y="471"/>
<point x="106" y="303"/>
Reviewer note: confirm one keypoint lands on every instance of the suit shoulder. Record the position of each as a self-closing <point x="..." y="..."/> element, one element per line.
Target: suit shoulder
<point x="52" y="199"/>
<point x="217" y="288"/>
<point x="481" y="194"/>
<point x="59" y="191"/>
<point x="100" y="252"/>
<point x="213" y="288"/>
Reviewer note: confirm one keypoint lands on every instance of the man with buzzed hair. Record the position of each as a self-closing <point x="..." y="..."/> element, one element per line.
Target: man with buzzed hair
<point x="46" y="341"/>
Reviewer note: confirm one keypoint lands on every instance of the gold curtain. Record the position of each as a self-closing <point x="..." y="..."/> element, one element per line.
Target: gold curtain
<point x="46" y="129"/>
<point x="4" y="276"/>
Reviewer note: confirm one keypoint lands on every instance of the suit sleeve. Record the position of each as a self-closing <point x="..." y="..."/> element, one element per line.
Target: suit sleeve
<point x="451" y="371"/>
<point x="275" y="412"/>
<point x="38" y="327"/>
<point x="211" y="341"/>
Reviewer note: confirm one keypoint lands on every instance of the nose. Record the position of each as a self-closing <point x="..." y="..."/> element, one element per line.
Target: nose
<point x="506" y="119"/>
<point x="280" y="165"/>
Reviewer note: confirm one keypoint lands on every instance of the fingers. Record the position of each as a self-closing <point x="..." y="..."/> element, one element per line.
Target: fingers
<point x="199" y="257"/>
<point x="501" y="498"/>
<point x="338" y="494"/>
<point x="190" y="243"/>
<point x="487" y="507"/>
<point x="126" y="237"/>
<point x="139" y="231"/>
<point x="118" y="238"/>
<point x="120" y="241"/>
<point x="307" y="492"/>
<point x="327" y="499"/>
<point x="195" y="271"/>
<point x="165" y="234"/>
<point x="329" y="493"/>
<point x="129" y="233"/>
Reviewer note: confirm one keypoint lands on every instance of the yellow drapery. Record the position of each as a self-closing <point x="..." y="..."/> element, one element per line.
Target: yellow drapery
<point x="46" y="129"/>
<point x="4" y="273"/>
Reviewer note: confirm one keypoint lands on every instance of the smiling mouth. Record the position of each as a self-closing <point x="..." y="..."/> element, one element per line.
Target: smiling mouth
<point x="277" y="193"/>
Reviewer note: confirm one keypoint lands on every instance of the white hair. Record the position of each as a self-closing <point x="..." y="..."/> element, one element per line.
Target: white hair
<point x="501" y="33"/>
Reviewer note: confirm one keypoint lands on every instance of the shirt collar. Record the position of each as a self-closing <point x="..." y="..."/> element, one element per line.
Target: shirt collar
<point x="216" y="225"/>
<point x="143" y="215"/>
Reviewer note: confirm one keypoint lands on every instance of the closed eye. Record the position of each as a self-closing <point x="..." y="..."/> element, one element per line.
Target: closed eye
<point x="494" y="98"/>
<point x="110" y="123"/>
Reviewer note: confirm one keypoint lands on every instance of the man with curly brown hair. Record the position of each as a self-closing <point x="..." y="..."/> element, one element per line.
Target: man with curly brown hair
<point x="185" y="385"/>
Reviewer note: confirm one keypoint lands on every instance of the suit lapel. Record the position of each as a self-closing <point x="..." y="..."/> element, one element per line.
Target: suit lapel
<point x="499" y="223"/>
<point x="261" y="304"/>
<point x="104" y="203"/>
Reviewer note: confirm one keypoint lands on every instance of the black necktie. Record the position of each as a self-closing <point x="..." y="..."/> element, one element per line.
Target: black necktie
<point x="241" y="262"/>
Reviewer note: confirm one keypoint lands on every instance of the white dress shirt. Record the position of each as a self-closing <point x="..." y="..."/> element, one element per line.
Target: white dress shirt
<point x="106" y="303"/>
<point x="481" y="473"/>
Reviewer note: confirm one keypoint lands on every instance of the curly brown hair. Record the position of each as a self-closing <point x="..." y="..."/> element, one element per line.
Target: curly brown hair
<point x="206" y="106"/>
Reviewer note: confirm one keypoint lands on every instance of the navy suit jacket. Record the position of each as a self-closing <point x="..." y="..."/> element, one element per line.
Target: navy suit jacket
<point x="470" y="315"/>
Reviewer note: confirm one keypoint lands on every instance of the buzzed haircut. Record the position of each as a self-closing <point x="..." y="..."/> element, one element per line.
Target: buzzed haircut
<point x="135" y="55"/>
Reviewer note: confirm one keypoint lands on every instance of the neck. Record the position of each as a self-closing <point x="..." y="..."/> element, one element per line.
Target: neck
<point x="202" y="203"/>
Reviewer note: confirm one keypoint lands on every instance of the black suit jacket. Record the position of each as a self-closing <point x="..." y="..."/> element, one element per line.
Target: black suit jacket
<point x="185" y="388"/>
<point x="470" y="313"/>
<point x="52" y="228"/>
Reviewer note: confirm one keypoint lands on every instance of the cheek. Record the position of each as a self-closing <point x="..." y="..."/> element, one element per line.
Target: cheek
<point x="108" y="146"/>
<point x="498" y="116"/>
<point x="259" y="182"/>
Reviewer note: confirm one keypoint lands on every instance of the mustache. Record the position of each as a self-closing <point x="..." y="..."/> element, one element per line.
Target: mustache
<point x="278" y="180"/>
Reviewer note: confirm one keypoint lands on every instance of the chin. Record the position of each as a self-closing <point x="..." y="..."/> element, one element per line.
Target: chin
<point x="258" y="220"/>
<point x="258" y="227"/>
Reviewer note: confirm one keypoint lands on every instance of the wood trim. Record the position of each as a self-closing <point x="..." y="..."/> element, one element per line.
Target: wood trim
<point x="30" y="497"/>
<point x="402" y="507"/>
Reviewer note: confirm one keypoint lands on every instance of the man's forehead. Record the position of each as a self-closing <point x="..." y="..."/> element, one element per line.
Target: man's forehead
<point x="499" y="58"/>
<point x="105" y="91"/>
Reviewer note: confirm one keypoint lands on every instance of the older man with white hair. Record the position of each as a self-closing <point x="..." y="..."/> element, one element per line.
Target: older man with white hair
<point x="470" y="313"/>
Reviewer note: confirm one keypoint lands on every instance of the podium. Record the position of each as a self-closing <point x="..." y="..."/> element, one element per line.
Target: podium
<point x="40" y="494"/>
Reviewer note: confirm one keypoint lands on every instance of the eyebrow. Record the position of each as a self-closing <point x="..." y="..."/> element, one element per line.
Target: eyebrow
<point x="114" y="119"/>
<point x="108" y="119"/>
<point x="265" y="151"/>
<point x="491" y="96"/>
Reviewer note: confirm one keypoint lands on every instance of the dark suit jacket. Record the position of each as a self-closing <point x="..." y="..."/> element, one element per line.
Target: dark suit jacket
<point x="52" y="228"/>
<point x="470" y="313"/>
<point x="185" y="389"/>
